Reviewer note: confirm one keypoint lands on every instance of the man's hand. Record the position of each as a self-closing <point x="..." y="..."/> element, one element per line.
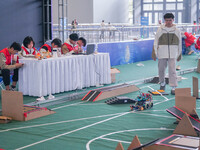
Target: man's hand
<point x="80" y="50"/>
<point x="75" y="50"/>
<point x="153" y="54"/>
<point x="19" y="65"/>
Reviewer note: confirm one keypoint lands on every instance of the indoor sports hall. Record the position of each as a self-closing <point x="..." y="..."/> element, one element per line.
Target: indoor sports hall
<point x="95" y="98"/>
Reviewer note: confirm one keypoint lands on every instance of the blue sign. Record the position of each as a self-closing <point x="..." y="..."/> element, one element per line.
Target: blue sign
<point x="144" y="32"/>
<point x="127" y="52"/>
<point x="144" y="21"/>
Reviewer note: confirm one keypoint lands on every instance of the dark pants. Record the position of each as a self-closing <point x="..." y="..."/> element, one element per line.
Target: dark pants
<point x="6" y="76"/>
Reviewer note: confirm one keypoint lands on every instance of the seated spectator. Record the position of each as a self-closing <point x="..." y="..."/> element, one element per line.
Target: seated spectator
<point x="49" y="45"/>
<point x="197" y="45"/>
<point x="8" y="62"/>
<point x="28" y="46"/>
<point x="80" y="44"/>
<point x="70" y="46"/>
<point x="189" y="41"/>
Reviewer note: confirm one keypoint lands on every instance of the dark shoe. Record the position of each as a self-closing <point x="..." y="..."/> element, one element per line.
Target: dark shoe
<point x="173" y="92"/>
<point x="178" y="67"/>
<point x="162" y="87"/>
<point x="13" y="88"/>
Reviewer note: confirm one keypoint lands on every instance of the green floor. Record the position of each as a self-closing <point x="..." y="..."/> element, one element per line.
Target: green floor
<point x="78" y="125"/>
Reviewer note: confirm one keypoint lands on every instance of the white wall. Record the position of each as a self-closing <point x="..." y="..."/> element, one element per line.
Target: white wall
<point x="94" y="11"/>
<point x="82" y="10"/>
<point x="114" y="11"/>
<point x="55" y="11"/>
<point x="193" y="11"/>
<point x="137" y="11"/>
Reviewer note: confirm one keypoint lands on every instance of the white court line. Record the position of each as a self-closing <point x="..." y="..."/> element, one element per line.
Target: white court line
<point x="76" y="129"/>
<point x="159" y="93"/>
<point x="67" y="105"/>
<point x="71" y="120"/>
<point x="102" y="136"/>
<point x="46" y="124"/>
<point x="164" y="101"/>
<point x="154" y="115"/>
<point x="60" y="122"/>
<point x="147" y="86"/>
<point x="116" y="140"/>
<point x="48" y="139"/>
<point x="92" y="104"/>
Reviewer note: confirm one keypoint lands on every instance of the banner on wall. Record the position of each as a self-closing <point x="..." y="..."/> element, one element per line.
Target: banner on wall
<point x="144" y="32"/>
<point x="127" y="52"/>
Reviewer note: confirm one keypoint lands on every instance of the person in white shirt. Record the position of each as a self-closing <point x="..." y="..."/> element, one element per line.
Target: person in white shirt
<point x="168" y="49"/>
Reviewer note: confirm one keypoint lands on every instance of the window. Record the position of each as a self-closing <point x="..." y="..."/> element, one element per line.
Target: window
<point x="158" y="0"/>
<point x="130" y="11"/>
<point x="179" y="17"/>
<point x="155" y="9"/>
<point x="156" y="18"/>
<point x="179" y="6"/>
<point x="150" y="18"/>
<point x="171" y="6"/>
<point x="147" y="7"/>
<point x="158" y="6"/>
<point x="147" y="1"/>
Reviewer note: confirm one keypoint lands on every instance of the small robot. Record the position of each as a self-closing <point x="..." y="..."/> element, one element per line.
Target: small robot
<point x="143" y="101"/>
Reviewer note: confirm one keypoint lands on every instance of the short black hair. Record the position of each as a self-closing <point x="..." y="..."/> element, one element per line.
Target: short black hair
<point x="27" y="41"/>
<point x="73" y="36"/>
<point x="16" y="46"/>
<point x="169" y="15"/>
<point x="57" y="42"/>
<point x="83" y="40"/>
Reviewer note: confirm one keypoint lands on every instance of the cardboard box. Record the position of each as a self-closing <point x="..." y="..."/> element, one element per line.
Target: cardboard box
<point x="12" y="106"/>
<point x="113" y="71"/>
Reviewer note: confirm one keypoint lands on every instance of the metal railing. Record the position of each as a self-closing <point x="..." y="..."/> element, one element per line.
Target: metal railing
<point x="94" y="33"/>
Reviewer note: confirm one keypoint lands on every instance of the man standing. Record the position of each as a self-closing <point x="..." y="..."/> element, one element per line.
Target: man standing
<point x="8" y="62"/>
<point x="168" y="49"/>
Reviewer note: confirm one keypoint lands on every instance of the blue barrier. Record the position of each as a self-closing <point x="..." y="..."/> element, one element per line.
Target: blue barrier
<point x="127" y="52"/>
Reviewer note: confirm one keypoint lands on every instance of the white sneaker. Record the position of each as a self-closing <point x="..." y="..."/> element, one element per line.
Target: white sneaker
<point x="51" y="96"/>
<point x="41" y="99"/>
<point x="99" y="85"/>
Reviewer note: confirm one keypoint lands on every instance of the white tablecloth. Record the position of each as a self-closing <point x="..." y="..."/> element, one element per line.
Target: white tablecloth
<point x="55" y="75"/>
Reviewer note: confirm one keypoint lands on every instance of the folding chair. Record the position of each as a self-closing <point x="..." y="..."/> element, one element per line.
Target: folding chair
<point x="1" y="81"/>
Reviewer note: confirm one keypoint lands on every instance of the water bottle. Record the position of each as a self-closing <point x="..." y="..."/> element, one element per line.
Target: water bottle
<point x="59" y="52"/>
<point x="55" y="52"/>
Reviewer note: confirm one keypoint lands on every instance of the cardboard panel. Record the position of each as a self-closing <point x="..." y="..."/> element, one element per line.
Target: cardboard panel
<point x="134" y="144"/>
<point x="12" y="104"/>
<point x="182" y="92"/>
<point x="162" y="147"/>
<point x="198" y="66"/>
<point x="117" y="91"/>
<point x="119" y="146"/>
<point x="195" y="87"/>
<point x="37" y="114"/>
<point x="185" y="127"/>
<point x="186" y="103"/>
